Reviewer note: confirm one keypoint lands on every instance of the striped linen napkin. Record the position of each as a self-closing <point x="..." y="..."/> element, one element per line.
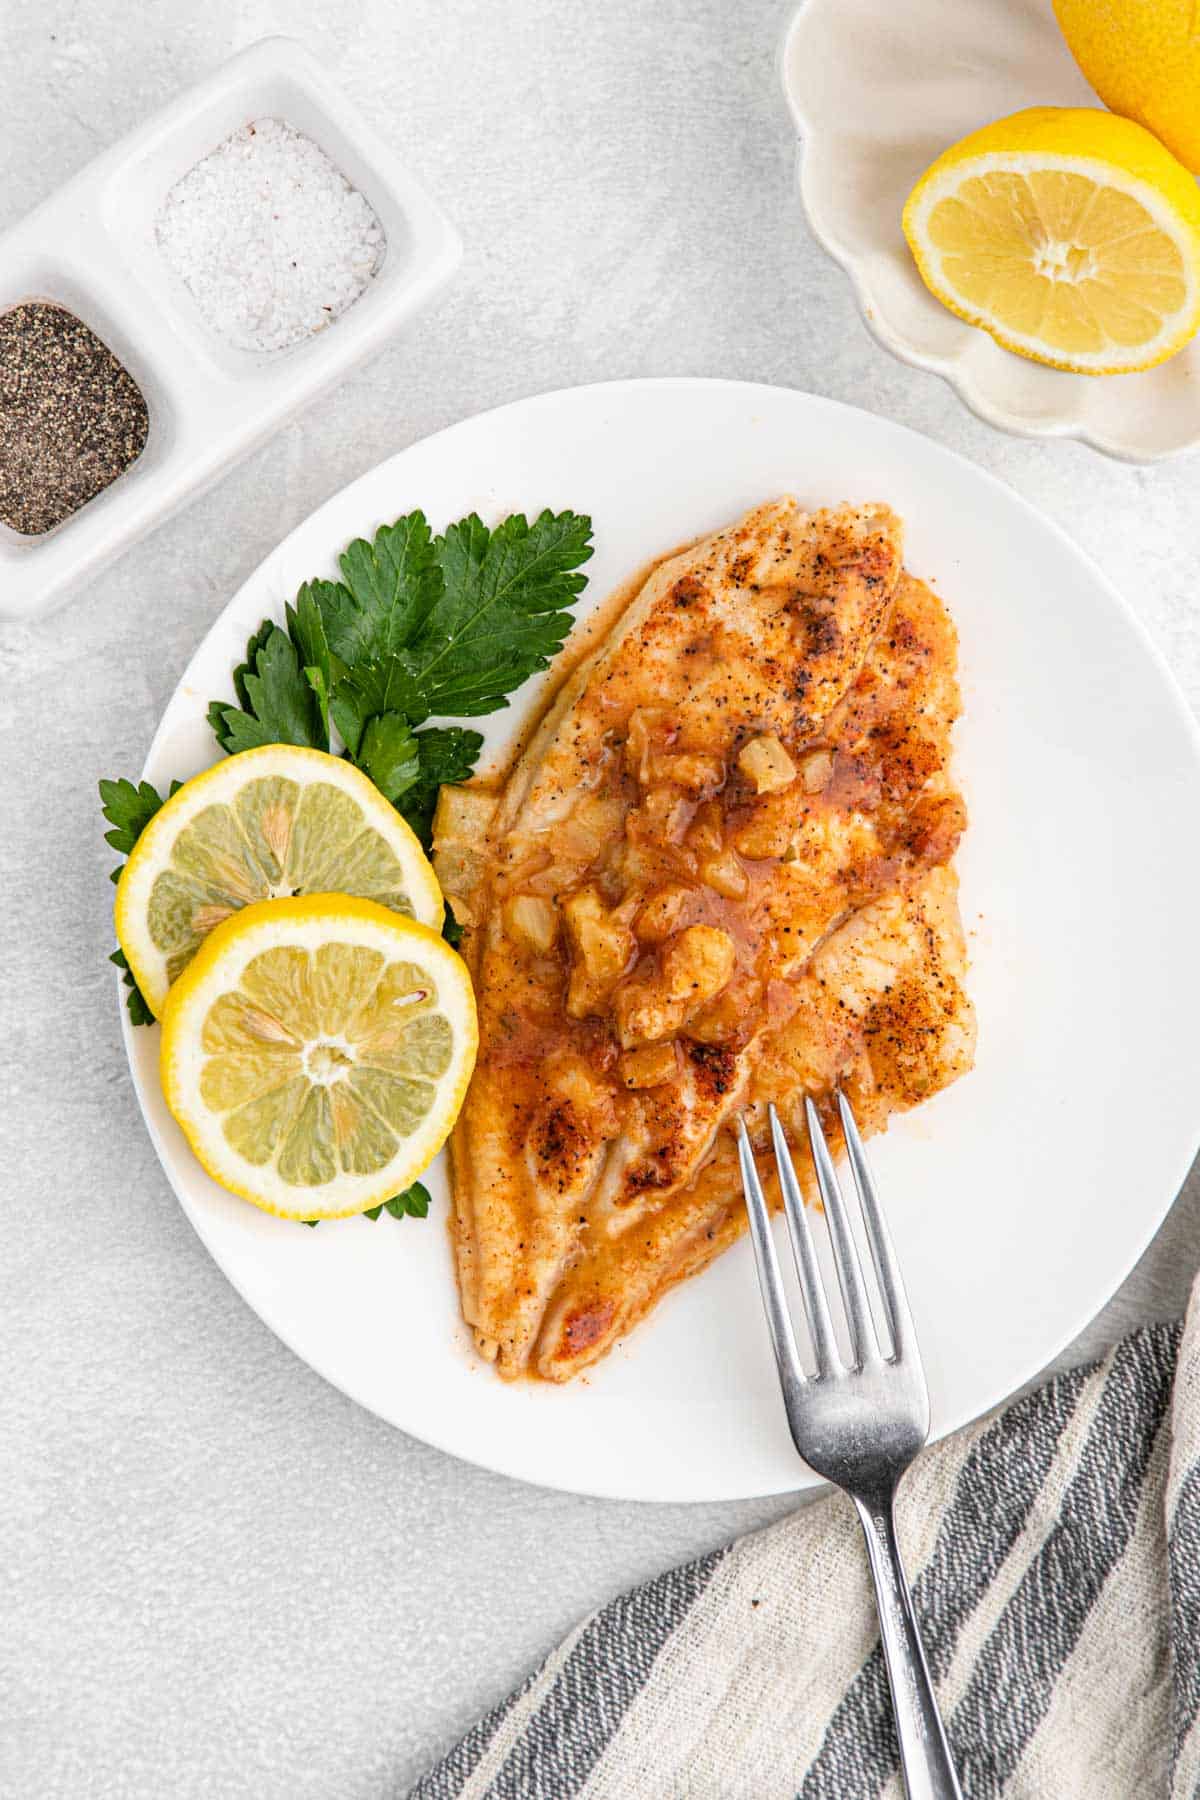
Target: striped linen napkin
<point x="1056" y="1548"/>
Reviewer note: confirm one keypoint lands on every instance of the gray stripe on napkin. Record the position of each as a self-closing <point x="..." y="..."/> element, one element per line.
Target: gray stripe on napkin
<point x="451" y="1775"/>
<point x="994" y="1496"/>
<point x="1013" y="1679"/>
<point x="1184" y="1543"/>
<point x="609" y="1664"/>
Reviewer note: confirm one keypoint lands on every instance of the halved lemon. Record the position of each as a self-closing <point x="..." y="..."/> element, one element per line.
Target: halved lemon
<point x="1071" y="235"/>
<point x="316" y="1053"/>
<point x="265" y="824"/>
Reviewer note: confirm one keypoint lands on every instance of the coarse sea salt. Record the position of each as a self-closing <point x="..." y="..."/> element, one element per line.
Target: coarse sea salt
<point x="269" y="237"/>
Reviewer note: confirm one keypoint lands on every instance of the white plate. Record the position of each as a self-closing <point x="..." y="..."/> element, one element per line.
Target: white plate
<point x="1021" y="1197"/>
<point x="877" y="91"/>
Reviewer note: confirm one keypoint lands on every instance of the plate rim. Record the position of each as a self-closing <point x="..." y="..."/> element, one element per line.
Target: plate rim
<point x="502" y="1464"/>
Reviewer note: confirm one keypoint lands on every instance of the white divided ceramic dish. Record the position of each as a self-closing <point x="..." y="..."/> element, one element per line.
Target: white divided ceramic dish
<point x="1019" y="1198"/>
<point x="91" y="247"/>
<point x="878" y="90"/>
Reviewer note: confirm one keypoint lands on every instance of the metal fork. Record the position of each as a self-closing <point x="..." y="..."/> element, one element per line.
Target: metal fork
<point x="859" y="1426"/>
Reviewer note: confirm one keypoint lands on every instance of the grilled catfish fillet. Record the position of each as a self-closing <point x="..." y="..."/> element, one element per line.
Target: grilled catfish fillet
<point x="680" y="906"/>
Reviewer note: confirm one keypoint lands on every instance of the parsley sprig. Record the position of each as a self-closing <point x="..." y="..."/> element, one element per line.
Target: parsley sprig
<point x="419" y="627"/>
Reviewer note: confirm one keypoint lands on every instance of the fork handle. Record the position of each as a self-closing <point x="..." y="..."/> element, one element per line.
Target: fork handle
<point x="929" y="1772"/>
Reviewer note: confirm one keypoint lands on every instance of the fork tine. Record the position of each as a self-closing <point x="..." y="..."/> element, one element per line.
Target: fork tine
<point x="769" y="1278"/>
<point x="863" y="1339"/>
<point x="891" y="1284"/>
<point x="812" y="1288"/>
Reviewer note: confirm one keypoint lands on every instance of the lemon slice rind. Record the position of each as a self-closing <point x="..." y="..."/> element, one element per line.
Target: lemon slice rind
<point x="218" y="969"/>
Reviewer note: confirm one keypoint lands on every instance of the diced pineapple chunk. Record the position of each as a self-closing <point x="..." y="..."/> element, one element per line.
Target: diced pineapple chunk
<point x="815" y="770"/>
<point x="591" y="824"/>
<point x="725" y="874"/>
<point x="705" y="833"/>
<point x="637" y="864"/>
<point x="733" y="1016"/>
<point x="691" y="769"/>
<point x="766" y="763"/>
<point x="650" y="1066"/>
<point x="662" y="912"/>
<point x="532" y="921"/>
<point x="768" y="831"/>
<point x="644" y="1013"/>
<point x="602" y="949"/>
<point x="698" y="963"/>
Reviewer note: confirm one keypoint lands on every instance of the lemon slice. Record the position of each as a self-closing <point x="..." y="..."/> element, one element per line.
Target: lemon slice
<point x="262" y="825"/>
<point x="316" y="1052"/>
<point x="1071" y="235"/>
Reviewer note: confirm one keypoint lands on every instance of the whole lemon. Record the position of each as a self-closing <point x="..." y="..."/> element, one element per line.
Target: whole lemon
<point x="1143" y="59"/>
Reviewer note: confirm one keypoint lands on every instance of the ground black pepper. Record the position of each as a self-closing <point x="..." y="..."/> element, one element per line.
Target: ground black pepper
<point x="72" y="418"/>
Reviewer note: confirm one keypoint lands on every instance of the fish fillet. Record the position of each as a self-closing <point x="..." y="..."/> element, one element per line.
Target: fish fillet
<point x="716" y="864"/>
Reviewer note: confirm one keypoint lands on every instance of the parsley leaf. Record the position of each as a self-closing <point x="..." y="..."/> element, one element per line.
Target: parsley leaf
<point x="135" y="1000"/>
<point x="446" y="753"/>
<point x="306" y="628"/>
<point x="413" y="1203"/>
<point x="373" y="687"/>
<point x="391" y="585"/>
<point x="389" y="754"/>
<point x="502" y="612"/>
<point x="280" y="702"/>
<point x="243" y="669"/>
<point x="129" y="809"/>
<point x="452" y="931"/>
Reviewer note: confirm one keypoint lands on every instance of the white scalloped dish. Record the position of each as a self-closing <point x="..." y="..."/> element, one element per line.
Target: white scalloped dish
<point x="877" y="91"/>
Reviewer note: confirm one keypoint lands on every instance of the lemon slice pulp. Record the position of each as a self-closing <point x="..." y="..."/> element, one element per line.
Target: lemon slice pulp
<point x="264" y="824"/>
<point x="1072" y="236"/>
<point x="316" y="1052"/>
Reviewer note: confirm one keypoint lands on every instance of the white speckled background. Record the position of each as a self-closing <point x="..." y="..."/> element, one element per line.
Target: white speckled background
<point x="218" y="1576"/>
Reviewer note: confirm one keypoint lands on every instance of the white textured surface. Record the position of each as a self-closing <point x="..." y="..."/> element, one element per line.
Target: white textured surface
<point x="218" y="1576"/>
